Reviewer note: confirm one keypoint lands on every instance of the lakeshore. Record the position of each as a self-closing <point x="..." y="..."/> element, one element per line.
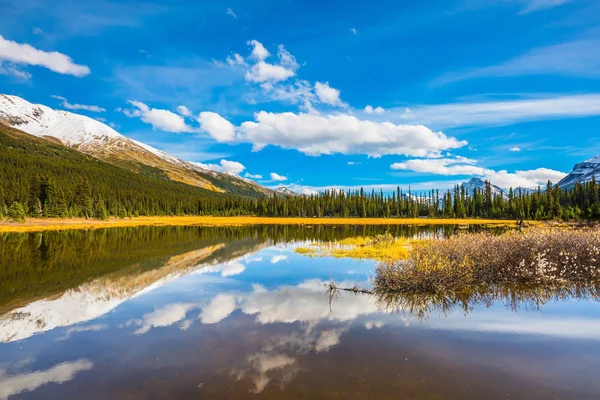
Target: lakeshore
<point x="38" y="225"/>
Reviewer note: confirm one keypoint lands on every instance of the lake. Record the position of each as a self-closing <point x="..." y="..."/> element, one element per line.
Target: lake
<point x="232" y="313"/>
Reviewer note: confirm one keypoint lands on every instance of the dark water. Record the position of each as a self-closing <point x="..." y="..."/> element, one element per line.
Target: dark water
<point x="232" y="313"/>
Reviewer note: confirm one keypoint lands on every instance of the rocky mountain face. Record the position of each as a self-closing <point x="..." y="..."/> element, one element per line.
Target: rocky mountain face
<point x="99" y="140"/>
<point x="582" y="172"/>
<point x="479" y="184"/>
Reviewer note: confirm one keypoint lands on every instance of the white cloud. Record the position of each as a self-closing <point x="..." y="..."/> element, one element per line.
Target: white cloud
<point x="17" y="53"/>
<point x="184" y="111"/>
<point x="232" y="167"/>
<point x="231" y="13"/>
<point x="276" y="177"/>
<point x="29" y="381"/>
<point x="354" y="162"/>
<point x="342" y="133"/>
<point x="515" y="149"/>
<point x="159" y="119"/>
<point x="575" y="58"/>
<point x="377" y="110"/>
<point x="278" y="258"/>
<point x="354" y="31"/>
<point x="328" y="95"/>
<point x="440" y="166"/>
<point x="7" y="68"/>
<point x="235" y="59"/>
<point x="265" y="72"/>
<point x="218" y="309"/>
<point x="259" y="53"/>
<point x="88" y="328"/>
<point x="162" y="317"/>
<point x="252" y="176"/>
<point x="37" y="31"/>
<point x="216" y="126"/>
<point x="65" y="103"/>
<point x="286" y="58"/>
<point x="463" y="166"/>
<point x="500" y="112"/>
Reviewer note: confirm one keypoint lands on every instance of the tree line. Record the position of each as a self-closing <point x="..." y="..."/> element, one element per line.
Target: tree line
<point x="46" y="199"/>
<point x="39" y="179"/>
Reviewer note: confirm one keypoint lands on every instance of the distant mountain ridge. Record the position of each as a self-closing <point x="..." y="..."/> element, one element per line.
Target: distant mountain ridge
<point x="479" y="184"/>
<point x="582" y="172"/>
<point x="99" y="140"/>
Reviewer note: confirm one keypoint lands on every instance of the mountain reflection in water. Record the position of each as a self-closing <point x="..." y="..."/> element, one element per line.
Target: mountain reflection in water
<point x="192" y="312"/>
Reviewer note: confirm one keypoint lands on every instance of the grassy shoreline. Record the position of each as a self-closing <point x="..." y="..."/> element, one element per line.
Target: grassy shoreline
<point x="37" y="225"/>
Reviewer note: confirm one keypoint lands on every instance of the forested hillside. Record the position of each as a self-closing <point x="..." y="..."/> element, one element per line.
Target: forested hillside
<point x="50" y="180"/>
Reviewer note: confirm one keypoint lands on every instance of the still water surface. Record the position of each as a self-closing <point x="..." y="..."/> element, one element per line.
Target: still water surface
<point x="232" y="313"/>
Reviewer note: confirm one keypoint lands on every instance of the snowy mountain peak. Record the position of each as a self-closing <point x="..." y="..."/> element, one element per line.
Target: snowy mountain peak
<point x="99" y="140"/>
<point x="73" y="130"/>
<point x="285" y="191"/>
<point x="582" y="172"/>
<point x="479" y="184"/>
<point x="594" y="160"/>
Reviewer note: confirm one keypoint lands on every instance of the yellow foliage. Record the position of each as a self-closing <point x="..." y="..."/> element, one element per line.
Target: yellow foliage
<point x="380" y="248"/>
<point x="35" y="225"/>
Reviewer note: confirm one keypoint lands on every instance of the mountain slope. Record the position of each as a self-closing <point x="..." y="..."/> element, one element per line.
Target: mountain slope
<point x="582" y="172"/>
<point x="70" y="175"/>
<point x="98" y="140"/>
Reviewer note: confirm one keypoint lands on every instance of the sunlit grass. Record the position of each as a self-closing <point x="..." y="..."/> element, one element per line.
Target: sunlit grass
<point x="535" y="256"/>
<point x="381" y="248"/>
<point x="34" y="225"/>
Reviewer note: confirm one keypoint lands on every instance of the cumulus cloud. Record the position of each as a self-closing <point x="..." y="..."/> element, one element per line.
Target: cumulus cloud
<point x="464" y="166"/>
<point x="252" y="176"/>
<point x="232" y="167"/>
<point x="265" y="72"/>
<point x="184" y="111"/>
<point x="377" y="110"/>
<point x="218" y="309"/>
<point x="65" y="103"/>
<point x="346" y="134"/>
<point x="30" y="381"/>
<point x="164" y="120"/>
<point x="328" y="95"/>
<point x="25" y="54"/>
<point x="276" y="177"/>
<point x="216" y="126"/>
<point x="515" y="149"/>
<point x="259" y="52"/>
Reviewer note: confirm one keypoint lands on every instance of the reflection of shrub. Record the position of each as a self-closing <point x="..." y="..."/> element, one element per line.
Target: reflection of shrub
<point x="535" y="256"/>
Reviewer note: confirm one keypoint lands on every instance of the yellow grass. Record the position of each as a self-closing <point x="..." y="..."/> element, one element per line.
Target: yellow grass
<point x="380" y="248"/>
<point x="36" y="225"/>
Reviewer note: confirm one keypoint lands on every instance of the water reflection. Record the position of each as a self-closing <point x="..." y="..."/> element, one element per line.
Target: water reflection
<point x="226" y="313"/>
<point x="12" y="383"/>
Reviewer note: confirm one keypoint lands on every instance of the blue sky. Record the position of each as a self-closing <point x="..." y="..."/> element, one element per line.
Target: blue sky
<point x="342" y="94"/>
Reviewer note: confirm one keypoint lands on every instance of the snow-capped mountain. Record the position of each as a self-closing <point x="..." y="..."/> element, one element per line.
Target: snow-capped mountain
<point x="479" y="184"/>
<point x="99" y="140"/>
<point x="285" y="191"/>
<point x="582" y="172"/>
